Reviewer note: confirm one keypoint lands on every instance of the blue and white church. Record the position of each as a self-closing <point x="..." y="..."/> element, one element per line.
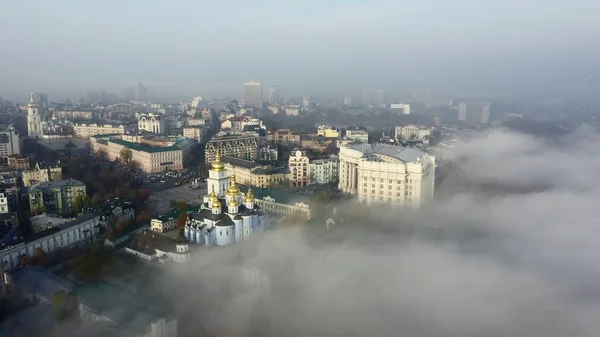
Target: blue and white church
<point x="227" y="216"/>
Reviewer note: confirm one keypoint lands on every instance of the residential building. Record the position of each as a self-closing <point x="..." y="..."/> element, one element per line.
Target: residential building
<point x="168" y="221"/>
<point x="403" y="109"/>
<point x="17" y="162"/>
<point x="306" y="102"/>
<point x="85" y="131"/>
<point x="73" y="114"/>
<point x="55" y="196"/>
<point x="361" y="136"/>
<point x="227" y="216"/>
<point x="383" y="173"/>
<point x="150" y="159"/>
<point x="240" y="123"/>
<point x="324" y="171"/>
<point x="41" y="174"/>
<point x="230" y="144"/>
<point x="292" y="110"/>
<point x="3" y="203"/>
<point x="34" y="119"/>
<point x="328" y="132"/>
<point x="104" y="302"/>
<point x="410" y="132"/>
<point x="152" y="123"/>
<point x="267" y="153"/>
<point x="475" y="113"/>
<point x="157" y="247"/>
<point x="284" y="136"/>
<point x="197" y="132"/>
<point x="11" y="192"/>
<point x="114" y="209"/>
<point x="252" y="174"/>
<point x="199" y="122"/>
<point x="299" y="168"/>
<point x="174" y="123"/>
<point x="253" y="95"/>
<point x="318" y="143"/>
<point x="10" y="144"/>
<point x="273" y="95"/>
<point x="77" y="233"/>
<point x="140" y="93"/>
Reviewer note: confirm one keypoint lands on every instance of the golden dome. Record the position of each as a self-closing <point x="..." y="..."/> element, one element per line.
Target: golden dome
<point x="218" y="165"/>
<point x="32" y="101"/>
<point x="249" y="196"/>
<point x="233" y="202"/>
<point x="233" y="189"/>
<point x="214" y="199"/>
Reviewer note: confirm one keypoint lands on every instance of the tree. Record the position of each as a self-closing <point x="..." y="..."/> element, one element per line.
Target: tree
<point x="181" y="204"/>
<point x="135" y="164"/>
<point x="78" y="204"/>
<point x="120" y="192"/>
<point x="86" y="202"/>
<point x="40" y="258"/>
<point x="143" y="217"/>
<point x="64" y="304"/>
<point x="182" y="219"/>
<point x="101" y="153"/>
<point x="143" y="194"/>
<point x="122" y="226"/>
<point x="125" y="155"/>
<point x="96" y="199"/>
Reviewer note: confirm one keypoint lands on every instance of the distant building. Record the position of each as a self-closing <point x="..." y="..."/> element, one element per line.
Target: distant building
<point x="437" y="120"/>
<point x="267" y="153"/>
<point x="273" y="95"/>
<point x="197" y="132"/>
<point x="252" y="174"/>
<point x="152" y="123"/>
<point x="328" y="132"/>
<point x="85" y="131"/>
<point x="299" y="168"/>
<point x="284" y="136"/>
<point x="237" y="145"/>
<point x="41" y="174"/>
<point x="10" y="144"/>
<point x="55" y="196"/>
<point x="324" y="171"/>
<point x="16" y="162"/>
<point x="306" y="102"/>
<point x="475" y="113"/>
<point x="140" y="93"/>
<point x="292" y="110"/>
<point x="382" y="173"/>
<point x="34" y="119"/>
<point x="361" y="136"/>
<point x="253" y="95"/>
<point x="409" y="132"/>
<point x="403" y="109"/>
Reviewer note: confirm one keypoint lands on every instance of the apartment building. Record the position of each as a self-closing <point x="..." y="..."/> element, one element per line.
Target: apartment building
<point x="324" y="171"/>
<point x="284" y="136"/>
<point x="41" y="174"/>
<point x="85" y="131"/>
<point x="232" y="144"/>
<point x="55" y="196"/>
<point x="152" y="123"/>
<point x="299" y="167"/>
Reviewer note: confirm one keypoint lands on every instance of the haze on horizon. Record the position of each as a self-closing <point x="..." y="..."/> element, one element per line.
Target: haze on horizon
<point x="185" y="48"/>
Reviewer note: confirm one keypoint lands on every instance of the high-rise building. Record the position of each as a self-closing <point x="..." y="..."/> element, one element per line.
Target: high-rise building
<point x="383" y="173"/>
<point x="306" y="101"/>
<point x="474" y="112"/>
<point x="253" y="94"/>
<point x="42" y="98"/>
<point x="273" y="95"/>
<point x="9" y="142"/>
<point x="140" y="93"/>
<point x="34" y="119"/>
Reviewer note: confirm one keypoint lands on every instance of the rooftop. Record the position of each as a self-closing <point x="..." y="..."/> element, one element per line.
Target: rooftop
<point x="173" y="214"/>
<point x="57" y="184"/>
<point x="404" y="154"/>
<point x="144" y="148"/>
<point x="239" y="162"/>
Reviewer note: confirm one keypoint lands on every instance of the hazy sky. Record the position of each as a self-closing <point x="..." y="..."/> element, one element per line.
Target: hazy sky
<point x="210" y="47"/>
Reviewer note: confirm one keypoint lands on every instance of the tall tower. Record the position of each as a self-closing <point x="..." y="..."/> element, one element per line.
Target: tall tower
<point x="34" y="120"/>
<point x="218" y="178"/>
<point x="273" y="95"/>
<point x="253" y="94"/>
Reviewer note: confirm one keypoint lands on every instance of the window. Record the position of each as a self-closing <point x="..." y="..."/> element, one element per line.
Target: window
<point x="221" y="233"/>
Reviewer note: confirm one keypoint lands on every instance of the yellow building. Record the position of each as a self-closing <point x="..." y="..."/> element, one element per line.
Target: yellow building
<point x="253" y="174"/>
<point x="39" y="175"/>
<point x="150" y="159"/>
<point x="328" y="132"/>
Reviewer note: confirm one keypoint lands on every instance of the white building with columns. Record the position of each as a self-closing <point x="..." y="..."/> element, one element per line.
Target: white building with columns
<point x="383" y="173"/>
<point x="227" y="216"/>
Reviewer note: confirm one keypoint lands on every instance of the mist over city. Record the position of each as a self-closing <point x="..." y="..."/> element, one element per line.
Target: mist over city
<point x="327" y="169"/>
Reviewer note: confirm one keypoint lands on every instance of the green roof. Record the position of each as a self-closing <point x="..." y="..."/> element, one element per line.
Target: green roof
<point x="119" y="305"/>
<point x="106" y="135"/>
<point x="144" y="148"/>
<point x="174" y="213"/>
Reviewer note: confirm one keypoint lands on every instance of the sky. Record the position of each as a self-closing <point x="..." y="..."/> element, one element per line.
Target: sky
<point x="304" y="47"/>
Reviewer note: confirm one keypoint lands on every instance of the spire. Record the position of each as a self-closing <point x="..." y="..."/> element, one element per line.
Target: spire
<point x="218" y="165"/>
<point x="32" y="100"/>
<point x="233" y="189"/>
<point x="249" y="196"/>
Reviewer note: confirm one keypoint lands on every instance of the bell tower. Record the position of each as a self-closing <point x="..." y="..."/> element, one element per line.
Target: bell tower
<point x="218" y="178"/>
<point x="34" y="119"/>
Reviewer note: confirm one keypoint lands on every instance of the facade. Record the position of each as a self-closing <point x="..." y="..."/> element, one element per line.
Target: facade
<point x="273" y="95"/>
<point x="267" y="153"/>
<point x="324" y="171"/>
<point x="71" y="114"/>
<point x="409" y="132"/>
<point x="80" y="232"/>
<point x="197" y="132"/>
<point x="150" y="159"/>
<point x="227" y="216"/>
<point x="252" y="174"/>
<point x="382" y="173"/>
<point x="3" y="203"/>
<point x="157" y="247"/>
<point x="168" y="221"/>
<point x="16" y="162"/>
<point x="292" y="110"/>
<point x="85" y="131"/>
<point x="237" y="145"/>
<point x="270" y="205"/>
<point x="152" y="123"/>
<point x="34" y="119"/>
<point x="140" y="93"/>
<point x="284" y="136"/>
<point x="253" y="95"/>
<point x="299" y="167"/>
<point x="56" y="196"/>
<point x="10" y="144"/>
<point x="328" y="132"/>
<point x="361" y="136"/>
<point x="403" y="109"/>
<point x="104" y="302"/>
<point x="475" y="113"/>
<point x="39" y="175"/>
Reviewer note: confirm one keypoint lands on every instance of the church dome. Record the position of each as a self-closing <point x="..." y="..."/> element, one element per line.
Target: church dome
<point x="233" y="189"/>
<point x="218" y="165"/>
<point x="32" y="102"/>
<point x="249" y="196"/>
<point x="233" y="203"/>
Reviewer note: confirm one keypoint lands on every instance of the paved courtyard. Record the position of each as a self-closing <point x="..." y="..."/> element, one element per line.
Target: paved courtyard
<point x="160" y="202"/>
